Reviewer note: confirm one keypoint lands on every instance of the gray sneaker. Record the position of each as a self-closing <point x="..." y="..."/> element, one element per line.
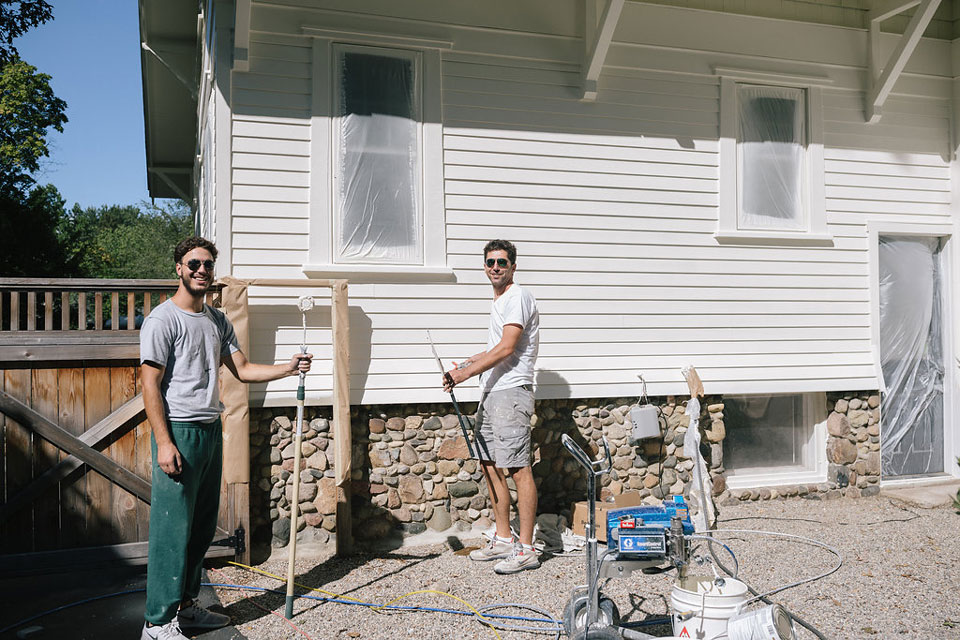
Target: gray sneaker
<point x="496" y="550"/>
<point x="169" y="631"/>
<point x="196" y="617"/>
<point x="519" y="560"/>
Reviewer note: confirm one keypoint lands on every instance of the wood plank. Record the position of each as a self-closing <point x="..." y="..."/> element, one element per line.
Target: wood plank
<point x="116" y="425"/>
<point x="46" y="508"/>
<point x="342" y="436"/>
<point x="3" y="455"/>
<point x="146" y="304"/>
<point x="31" y="311"/>
<point x="73" y="486"/>
<point x="143" y="465"/>
<point x="98" y="311"/>
<point x="65" y="311"/>
<point x="48" y="311"/>
<point x="14" y="310"/>
<point x="51" y="431"/>
<point x="82" y="311"/>
<point x="131" y="311"/>
<point x="96" y="393"/>
<point x="19" y="446"/>
<point x="125" y="507"/>
<point x="88" y="284"/>
<point x="114" y="311"/>
<point x="70" y="353"/>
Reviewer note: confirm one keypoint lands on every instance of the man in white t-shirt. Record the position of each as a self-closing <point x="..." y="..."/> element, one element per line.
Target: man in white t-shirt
<point x="502" y="432"/>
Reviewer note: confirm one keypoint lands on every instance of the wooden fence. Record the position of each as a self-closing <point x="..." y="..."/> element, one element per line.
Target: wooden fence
<point x="69" y="374"/>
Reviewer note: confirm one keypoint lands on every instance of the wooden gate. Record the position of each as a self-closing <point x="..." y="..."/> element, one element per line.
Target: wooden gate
<point x="75" y="463"/>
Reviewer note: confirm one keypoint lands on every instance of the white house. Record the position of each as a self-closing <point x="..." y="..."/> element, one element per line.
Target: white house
<point x="765" y="189"/>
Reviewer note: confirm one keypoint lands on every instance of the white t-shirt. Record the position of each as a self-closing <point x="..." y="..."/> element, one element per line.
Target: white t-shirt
<point x="515" y="306"/>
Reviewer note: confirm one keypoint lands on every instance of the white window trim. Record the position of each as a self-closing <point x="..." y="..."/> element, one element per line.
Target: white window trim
<point x="728" y="228"/>
<point x="321" y="208"/>
<point x="815" y="450"/>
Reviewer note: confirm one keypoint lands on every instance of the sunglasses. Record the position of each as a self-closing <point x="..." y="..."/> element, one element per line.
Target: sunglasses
<point x="194" y="265"/>
<point x="500" y="262"/>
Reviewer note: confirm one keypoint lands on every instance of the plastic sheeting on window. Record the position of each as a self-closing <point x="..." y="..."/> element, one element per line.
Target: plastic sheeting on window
<point x="771" y="144"/>
<point x="378" y="163"/>
<point x="911" y="355"/>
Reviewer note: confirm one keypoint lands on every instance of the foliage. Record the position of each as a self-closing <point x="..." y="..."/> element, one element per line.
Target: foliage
<point x="28" y="242"/>
<point x="16" y="17"/>
<point x="28" y="108"/>
<point x="124" y="241"/>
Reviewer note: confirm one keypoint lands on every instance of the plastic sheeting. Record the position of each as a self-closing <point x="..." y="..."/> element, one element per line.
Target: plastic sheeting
<point x="378" y="163"/>
<point x="771" y="143"/>
<point x="911" y="355"/>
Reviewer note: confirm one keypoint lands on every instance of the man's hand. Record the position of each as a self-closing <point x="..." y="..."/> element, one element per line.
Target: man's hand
<point x="453" y="377"/>
<point x="300" y="363"/>
<point x="168" y="457"/>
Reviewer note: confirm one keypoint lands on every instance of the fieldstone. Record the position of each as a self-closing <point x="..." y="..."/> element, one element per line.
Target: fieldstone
<point x="393" y="499"/>
<point x="454" y="449"/>
<point x="396" y="424"/>
<point x="433" y="423"/>
<point x="855" y="403"/>
<point x="873" y="402"/>
<point x="838" y="425"/>
<point x="873" y="430"/>
<point x="281" y="531"/>
<point x="408" y="456"/>
<point x="841" y="406"/>
<point x="440" y="491"/>
<point x="281" y="423"/>
<point x="326" y="500"/>
<point x="411" y="489"/>
<point x="873" y="464"/>
<point x="841" y="451"/>
<point x="377" y="425"/>
<point x="413" y="528"/>
<point x="463" y="489"/>
<point x="306" y="492"/>
<point x="872" y="490"/>
<point x="716" y="433"/>
<point x="318" y="461"/>
<point x="313" y="519"/>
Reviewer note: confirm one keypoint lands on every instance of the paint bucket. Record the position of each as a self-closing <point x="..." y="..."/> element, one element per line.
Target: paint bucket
<point x="769" y="623"/>
<point x="701" y="609"/>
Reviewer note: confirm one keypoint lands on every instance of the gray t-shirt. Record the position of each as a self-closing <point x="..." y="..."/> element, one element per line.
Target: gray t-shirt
<point x="189" y="346"/>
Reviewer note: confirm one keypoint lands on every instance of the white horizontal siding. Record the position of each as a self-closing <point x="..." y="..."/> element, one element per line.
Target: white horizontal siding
<point x="613" y="204"/>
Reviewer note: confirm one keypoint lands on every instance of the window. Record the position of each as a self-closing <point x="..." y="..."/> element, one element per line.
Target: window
<point x="774" y="439"/>
<point x="377" y="158"/>
<point x="376" y="186"/>
<point x="771" y="163"/>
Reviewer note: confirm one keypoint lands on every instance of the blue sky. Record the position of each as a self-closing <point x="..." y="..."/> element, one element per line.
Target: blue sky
<point x="91" y="49"/>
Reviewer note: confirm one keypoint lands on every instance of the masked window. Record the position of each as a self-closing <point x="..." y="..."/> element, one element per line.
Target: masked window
<point x="377" y="164"/>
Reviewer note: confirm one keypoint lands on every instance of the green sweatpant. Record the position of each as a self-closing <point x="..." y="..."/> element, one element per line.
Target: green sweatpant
<point x="183" y="518"/>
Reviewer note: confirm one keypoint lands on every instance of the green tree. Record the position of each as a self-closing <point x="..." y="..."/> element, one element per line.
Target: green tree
<point x="29" y="245"/>
<point x="124" y="241"/>
<point x="16" y="17"/>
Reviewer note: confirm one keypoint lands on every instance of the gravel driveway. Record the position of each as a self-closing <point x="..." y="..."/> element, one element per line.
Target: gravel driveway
<point x="900" y="578"/>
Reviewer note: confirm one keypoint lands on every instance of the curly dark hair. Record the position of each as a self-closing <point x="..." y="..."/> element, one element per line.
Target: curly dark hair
<point x="189" y="244"/>
<point x="501" y="245"/>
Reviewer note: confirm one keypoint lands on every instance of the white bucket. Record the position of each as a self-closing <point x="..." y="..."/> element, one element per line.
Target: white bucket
<point x="711" y="606"/>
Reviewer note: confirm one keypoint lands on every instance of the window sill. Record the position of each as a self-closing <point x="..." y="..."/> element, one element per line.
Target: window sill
<point x="785" y="238"/>
<point x="379" y="273"/>
<point x="754" y="478"/>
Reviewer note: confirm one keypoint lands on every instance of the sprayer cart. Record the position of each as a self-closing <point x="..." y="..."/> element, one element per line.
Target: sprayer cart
<point x="639" y="538"/>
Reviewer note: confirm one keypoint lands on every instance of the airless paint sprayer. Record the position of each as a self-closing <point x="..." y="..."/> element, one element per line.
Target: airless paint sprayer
<point x="304" y="303"/>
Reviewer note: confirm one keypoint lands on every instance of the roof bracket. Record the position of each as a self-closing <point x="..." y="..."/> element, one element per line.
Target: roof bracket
<point x="190" y="86"/>
<point x="883" y="75"/>
<point x="597" y="36"/>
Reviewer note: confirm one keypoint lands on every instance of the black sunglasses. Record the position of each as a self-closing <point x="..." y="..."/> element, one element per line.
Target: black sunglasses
<point x="194" y="265"/>
<point x="500" y="262"/>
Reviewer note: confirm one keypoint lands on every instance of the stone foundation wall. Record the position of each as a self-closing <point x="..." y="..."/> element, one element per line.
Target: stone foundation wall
<point x="411" y="469"/>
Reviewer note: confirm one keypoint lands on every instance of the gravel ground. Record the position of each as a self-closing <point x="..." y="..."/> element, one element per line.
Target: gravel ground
<point x="899" y="579"/>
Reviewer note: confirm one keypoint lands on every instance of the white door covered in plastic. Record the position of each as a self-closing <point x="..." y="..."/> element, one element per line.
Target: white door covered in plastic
<point x="911" y="355"/>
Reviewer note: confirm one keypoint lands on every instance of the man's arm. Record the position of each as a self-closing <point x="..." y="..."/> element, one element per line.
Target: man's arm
<point x="168" y="456"/>
<point x="487" y="360"/>
<point x="246" y="371"/>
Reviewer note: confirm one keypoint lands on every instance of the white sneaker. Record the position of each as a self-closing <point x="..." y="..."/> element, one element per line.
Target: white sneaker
<point x="521" y="558"/>
<point x="169" y="631"/>
<point x="196" y="617"/>
<point x="497" y="549"/>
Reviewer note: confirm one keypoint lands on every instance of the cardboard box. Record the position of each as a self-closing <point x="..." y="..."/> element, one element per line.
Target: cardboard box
<point x="580" y="513"/>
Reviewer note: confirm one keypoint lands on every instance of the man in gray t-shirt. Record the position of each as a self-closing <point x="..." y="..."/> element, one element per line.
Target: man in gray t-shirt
<point x="183" y="342"/>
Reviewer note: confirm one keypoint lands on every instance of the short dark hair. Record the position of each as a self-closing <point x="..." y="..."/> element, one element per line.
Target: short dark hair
<point x="189" y="244"/>
<point x="501" y="245"/>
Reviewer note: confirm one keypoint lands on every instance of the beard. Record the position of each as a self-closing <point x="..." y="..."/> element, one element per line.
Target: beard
<point x="194" y="287"/>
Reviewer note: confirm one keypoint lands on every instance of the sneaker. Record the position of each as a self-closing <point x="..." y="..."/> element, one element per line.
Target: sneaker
<point x="497" y="549"/>
<point x="521" y="558"/>
<point x="196" y="617"/>
<point x="169" y="631"/>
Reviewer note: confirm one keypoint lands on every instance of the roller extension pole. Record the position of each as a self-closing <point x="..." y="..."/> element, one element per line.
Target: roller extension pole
<point x="305" y="303"/>
<point x="453" y="398"/>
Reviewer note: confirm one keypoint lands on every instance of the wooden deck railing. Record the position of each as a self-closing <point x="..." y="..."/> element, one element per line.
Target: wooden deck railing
<point x="55" y="319"/>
